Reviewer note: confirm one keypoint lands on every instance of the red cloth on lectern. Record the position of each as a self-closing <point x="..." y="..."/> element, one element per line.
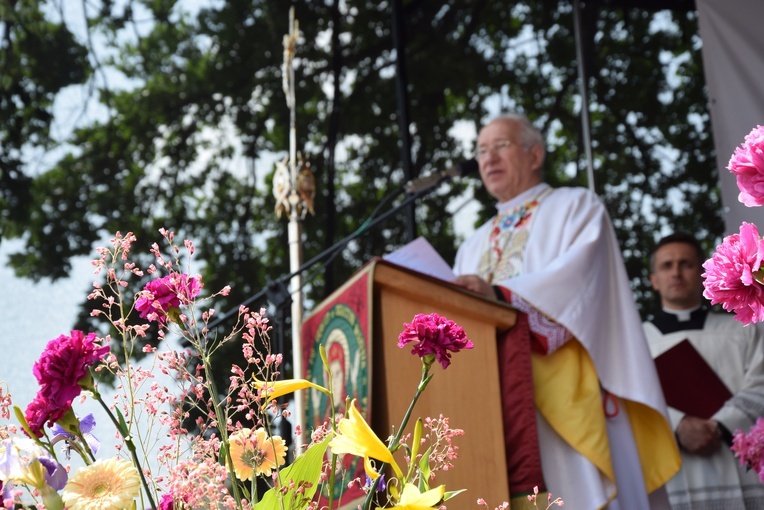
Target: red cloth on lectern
<point x="519" y="409"/>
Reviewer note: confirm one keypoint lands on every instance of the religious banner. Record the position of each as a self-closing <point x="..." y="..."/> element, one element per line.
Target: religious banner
<point x="342" y="325"/>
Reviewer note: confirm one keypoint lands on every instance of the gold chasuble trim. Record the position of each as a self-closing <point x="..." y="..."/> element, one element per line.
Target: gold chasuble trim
<point x="657" y="448"/>
<point x="567" y="394"/>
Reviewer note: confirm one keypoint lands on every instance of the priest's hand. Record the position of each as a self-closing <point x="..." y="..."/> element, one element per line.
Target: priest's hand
<point x="698" y="435"/>
<point x="476" y="284"/>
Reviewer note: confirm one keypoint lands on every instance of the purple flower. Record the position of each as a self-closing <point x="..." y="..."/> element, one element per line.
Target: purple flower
<point x="747" y="163"/>
<point x="6" y="494"/>
<point x="87" y="424"/>
<point x="55" y="474"/>
<point x="381" y="485"/>
<point x="12" y="464"/>
<point x="733" y="277"/>
<point x="435" y="335"/>
<point x="162" y="296"/>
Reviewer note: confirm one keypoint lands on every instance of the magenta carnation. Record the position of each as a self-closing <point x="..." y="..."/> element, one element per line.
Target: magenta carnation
<point x="166" y="294"/>
<point x="41" y="410"/>
<point x="436" y="335"/>
<point x="61" y="368"/>
<point x="730" y="275"/>
<point x="166" y="503"/>
<point x="64" y="363"/>
<point x="747" y="163"/>
<point x="749" y="448"/>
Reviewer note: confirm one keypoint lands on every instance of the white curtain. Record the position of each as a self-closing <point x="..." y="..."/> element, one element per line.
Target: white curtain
<point x="733" y="56"/>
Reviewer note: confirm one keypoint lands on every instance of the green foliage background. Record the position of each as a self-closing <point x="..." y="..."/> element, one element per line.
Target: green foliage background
<point x="185" y="93"/>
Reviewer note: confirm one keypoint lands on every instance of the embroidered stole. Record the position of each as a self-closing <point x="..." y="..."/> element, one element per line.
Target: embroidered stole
<point x="504" y="259"/>
<point x="509" y="233"/>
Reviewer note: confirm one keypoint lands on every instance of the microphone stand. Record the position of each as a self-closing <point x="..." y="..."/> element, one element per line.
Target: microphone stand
<point x="324" y="254"/>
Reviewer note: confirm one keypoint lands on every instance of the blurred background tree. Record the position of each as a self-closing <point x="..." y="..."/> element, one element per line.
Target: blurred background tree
<point x="182" y="116"/>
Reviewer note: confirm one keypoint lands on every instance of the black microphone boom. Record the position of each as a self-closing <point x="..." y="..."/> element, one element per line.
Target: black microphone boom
<point x="428" y="181"/>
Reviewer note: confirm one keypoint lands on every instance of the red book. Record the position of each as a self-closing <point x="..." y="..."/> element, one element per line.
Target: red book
<point x="689" y="383"/>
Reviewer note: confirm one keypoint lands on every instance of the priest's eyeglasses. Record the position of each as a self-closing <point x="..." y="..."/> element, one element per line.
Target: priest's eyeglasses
<point x="495" y="147"/>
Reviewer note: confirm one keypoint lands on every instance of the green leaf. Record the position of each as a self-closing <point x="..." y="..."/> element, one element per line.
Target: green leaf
<point x="69" y="422"/>
<point x="51" y="498"/>
<point x="450" y="494"/>
<point x="224" y="452"/>
<point x="306" y="468"/>
<point x="122" y="423"/>
<point x="23" y="422"/>
<point x="424" y="470"/>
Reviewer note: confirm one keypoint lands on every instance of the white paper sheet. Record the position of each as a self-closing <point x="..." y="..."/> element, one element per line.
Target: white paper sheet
<point x="420" y="256"/>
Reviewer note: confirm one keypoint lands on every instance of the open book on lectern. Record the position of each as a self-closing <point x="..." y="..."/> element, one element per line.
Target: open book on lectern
<point x="419" y="255"/>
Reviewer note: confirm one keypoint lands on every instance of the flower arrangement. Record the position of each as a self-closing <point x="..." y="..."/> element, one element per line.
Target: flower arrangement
<point x="233" y="460"/>
<point x="734" y="275"/>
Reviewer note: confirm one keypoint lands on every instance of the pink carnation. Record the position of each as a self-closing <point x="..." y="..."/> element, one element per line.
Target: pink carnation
<point x="747" y="163"/>
<point x="729" y="277"/>
<point x="166" y="294"/>
<point x="435" y="335"/>
<point x="749" y="448"/>
<point x="64" y="363"/>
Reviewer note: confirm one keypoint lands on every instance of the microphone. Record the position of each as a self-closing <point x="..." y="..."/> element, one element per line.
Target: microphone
<point x="428" y="181"/>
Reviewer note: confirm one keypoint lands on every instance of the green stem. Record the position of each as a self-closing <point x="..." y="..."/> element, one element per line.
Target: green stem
<point x="394" y="443"/>
<point x="83" y="449"/>
<point x="331" y="480"/>
<point x="420" y="389"/>
<point x="222" y="424"/>
<point x="130" y="445"/>
<point x="333" y="467"/>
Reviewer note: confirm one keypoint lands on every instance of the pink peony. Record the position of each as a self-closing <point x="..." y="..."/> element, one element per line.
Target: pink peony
<point x="730" y="275"/>
<point x="166" y="294"/>
<point x="435" y="335"/>
<point x="747" y="163"/>
<point x="64" y="363"/>
<point x="749" y="448"/>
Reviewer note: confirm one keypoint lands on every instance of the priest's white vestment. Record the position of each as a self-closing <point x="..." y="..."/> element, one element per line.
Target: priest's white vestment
<point x="571" y="271"/>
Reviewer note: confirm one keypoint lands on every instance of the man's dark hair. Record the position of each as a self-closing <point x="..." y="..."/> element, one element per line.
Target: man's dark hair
<point x="679" y="237"/>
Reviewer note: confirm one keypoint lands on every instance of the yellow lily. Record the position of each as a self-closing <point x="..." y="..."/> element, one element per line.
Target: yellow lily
<point x="412" y="499"/>
<point x="356" y="438"/>
<point x="276" y="389"/>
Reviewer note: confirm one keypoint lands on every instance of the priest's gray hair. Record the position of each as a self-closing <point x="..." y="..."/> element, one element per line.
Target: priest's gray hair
<point x="530" y="135"/>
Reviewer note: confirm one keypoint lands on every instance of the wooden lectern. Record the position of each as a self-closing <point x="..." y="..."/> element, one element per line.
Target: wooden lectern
<point x="467" y="392"/>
